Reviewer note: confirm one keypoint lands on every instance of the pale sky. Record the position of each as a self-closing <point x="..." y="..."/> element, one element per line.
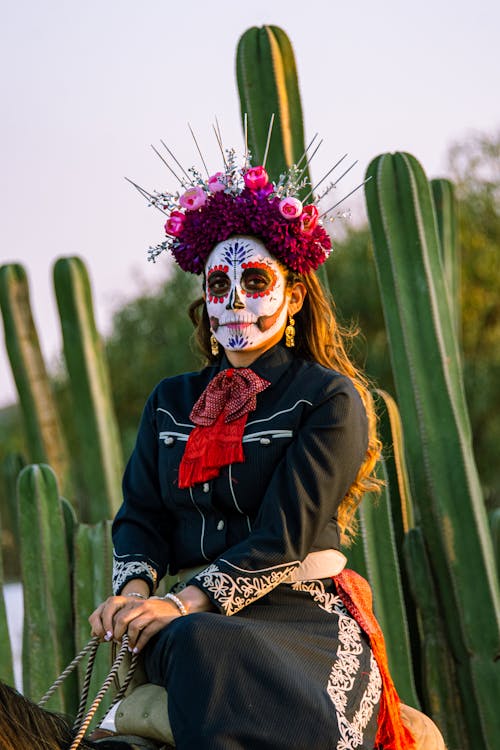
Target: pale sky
<point x="87" y="87"/>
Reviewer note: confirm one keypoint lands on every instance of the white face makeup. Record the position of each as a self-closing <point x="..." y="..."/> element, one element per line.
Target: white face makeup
<point x="245" y="294"/>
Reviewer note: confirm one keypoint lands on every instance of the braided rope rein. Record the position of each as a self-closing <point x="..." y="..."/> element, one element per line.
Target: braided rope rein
<point x="85" y="687"/>
<point x="82" y="721"/>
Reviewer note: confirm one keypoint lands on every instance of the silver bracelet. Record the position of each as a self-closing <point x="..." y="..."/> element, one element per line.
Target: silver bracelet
<point x="175" y="599"/>
<point x="136" y="594"/>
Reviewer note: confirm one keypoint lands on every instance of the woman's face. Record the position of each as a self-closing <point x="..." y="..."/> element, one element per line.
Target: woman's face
<point x="246" y="295"/>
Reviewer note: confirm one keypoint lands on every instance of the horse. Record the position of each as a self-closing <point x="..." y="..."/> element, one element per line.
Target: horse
<point x="26" y="726"/>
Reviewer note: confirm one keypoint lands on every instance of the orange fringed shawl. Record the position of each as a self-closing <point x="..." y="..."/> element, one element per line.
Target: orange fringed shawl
<point x="356" y="595"/>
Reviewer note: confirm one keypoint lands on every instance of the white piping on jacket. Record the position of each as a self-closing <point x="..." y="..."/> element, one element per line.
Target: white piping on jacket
<point x="202" y="546"/>
<point x="283" y="411"/>
<point x="179" y="424"/>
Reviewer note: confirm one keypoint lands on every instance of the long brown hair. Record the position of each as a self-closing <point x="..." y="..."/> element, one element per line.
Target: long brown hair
<point x="319" y="338"/>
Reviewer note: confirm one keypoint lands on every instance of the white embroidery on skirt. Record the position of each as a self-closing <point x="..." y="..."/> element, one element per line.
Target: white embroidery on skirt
<point x="123" y="571"/>
<point x="346" y="668"/>
<point x="370" y="697"/>
<point x="232" y="594"/>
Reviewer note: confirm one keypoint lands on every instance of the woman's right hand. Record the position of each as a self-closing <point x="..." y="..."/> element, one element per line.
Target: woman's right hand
<point x="140" y="619"/>
<point x="102" y="619"/>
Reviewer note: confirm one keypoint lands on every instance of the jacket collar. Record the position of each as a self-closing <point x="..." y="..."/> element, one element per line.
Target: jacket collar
<point x="271" y="365"/>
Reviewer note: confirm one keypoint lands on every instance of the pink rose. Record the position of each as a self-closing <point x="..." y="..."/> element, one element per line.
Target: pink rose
<point x="193" y="198"/>
<point x="309" y="219"/>
<point x="290" y="208"/>
<point x="256" y="178"/>
<point x="174" y="223"/>
<point x="215" y="184"/>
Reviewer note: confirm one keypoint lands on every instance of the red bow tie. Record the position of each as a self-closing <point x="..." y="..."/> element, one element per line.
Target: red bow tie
<point x="220" y="414"/>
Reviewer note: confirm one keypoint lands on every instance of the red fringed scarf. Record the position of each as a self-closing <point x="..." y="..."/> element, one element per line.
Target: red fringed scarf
<point x="356" y="595"/>
<point x="220" y="415"/>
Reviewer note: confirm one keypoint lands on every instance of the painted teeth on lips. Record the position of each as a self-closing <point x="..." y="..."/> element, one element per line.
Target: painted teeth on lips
<point x="235" y="326"/>
<point x="237" y="322"/>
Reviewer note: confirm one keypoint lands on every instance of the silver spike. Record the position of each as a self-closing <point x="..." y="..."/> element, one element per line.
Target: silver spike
<point x="167" y="165"/>
<point x="219" y="141"/>
<point x="142" y="190"/>
<point x="345" y="197"/>
<point x="307" y="149"/>
<point x="315" y="187"/>
<point x="245" y="130"/>
<point x="344" y="173"/>
<point x="151" y="198"/>
<point x="199" y="150"/>
<point x="189" y="179"/>
<point x="269" y="133"/>
<point x="308" y="161"/>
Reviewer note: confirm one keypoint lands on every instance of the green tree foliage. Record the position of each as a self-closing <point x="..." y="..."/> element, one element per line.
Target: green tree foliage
<point x="352" y="280"/>
<point x="150" y="340"/>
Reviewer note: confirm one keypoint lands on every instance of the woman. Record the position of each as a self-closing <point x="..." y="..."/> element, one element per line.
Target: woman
<point x="249" y="473"/>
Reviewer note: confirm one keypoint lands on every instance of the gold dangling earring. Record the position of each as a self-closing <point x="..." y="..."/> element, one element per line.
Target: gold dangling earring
<point x="290" y="333"/>
<point x="214" y="345"/>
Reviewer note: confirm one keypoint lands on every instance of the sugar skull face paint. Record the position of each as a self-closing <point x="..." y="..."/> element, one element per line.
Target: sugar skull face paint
<point x="245" y="294"/>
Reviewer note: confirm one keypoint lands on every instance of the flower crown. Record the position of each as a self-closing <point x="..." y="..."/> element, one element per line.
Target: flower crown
<point x="241" y="199"/>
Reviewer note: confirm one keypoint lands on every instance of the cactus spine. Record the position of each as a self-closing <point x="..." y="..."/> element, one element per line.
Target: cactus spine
<point x="94" y="414"/>
<point x="430" y="393"/>
<point x="43" y="429"/>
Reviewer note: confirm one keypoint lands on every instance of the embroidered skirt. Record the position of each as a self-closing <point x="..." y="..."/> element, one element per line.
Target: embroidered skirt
<point x="292" y="671"/>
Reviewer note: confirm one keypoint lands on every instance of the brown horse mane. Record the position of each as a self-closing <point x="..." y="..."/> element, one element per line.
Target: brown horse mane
<point x="25" y="726"/>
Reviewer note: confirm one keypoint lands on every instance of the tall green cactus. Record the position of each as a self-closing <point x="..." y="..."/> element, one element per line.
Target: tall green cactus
<point x="439" y="681"/>
<point x="6" y="665"/>
<point x="93" y="556"/>
<point x="45" y="441"/>
<point x="268" y="85"/>
<point x="402" y="508"/>
<point x="48" y="639"/>
<point x="385" y="578"/>
<point x="94" y="415"/>
<point x="428" y="379"/>
<point x="12" y="465"/>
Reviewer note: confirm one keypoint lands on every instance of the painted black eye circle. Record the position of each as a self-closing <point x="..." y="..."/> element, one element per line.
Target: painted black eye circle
<point x="218" y="284"/>
<point x="255" y="280"/>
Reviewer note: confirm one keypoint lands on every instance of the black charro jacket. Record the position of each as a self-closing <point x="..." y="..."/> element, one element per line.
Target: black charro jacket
<point x="257" y="520"/>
